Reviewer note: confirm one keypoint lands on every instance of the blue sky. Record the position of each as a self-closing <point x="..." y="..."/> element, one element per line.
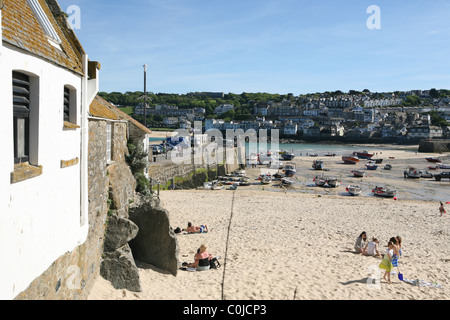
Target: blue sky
<point x="274" y="46"/>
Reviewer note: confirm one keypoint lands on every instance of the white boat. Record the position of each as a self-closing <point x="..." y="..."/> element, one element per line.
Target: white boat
<point x="444" y="166"/>
<point x="290" y="169"/>
<point x="411" y="173"/>
<point x="214" y="185"/>
<point x="333" y="182"/>
<point x="354" y="190"/>
<point x="320" y="181"/>
<point x="253" y="159"/>
<point x="384" y="192"/>
<point x="287" y="181"/>
<point x="265" y="179"/>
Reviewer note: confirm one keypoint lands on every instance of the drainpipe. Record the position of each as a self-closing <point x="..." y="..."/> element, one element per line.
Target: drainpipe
<point x="84" y="216"/>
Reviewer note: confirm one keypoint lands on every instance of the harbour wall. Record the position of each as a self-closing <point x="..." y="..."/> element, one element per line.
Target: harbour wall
<point x="434" y="146"/>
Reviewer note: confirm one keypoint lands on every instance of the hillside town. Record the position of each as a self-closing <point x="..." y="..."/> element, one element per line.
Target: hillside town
<point x="400" y="117"/>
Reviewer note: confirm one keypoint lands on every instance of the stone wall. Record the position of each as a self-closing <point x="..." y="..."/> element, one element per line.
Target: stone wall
<point x="434" y="146"/>
<point x="192" y="175"/>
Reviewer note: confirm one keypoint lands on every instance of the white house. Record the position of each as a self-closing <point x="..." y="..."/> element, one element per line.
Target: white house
<point x="223" y="108"/>
<point x="46" y="86"/>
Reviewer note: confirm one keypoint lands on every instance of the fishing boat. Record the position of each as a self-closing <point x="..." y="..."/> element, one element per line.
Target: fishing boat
<point x="287" y="181"/>
<point x="278" y="176"/>
<point x="350" y="159"/>
<point x="433" y="167"/>
<point x="363" y="154"/>
<point x="317" y="165"/>
<point x="313" y="154"/>
<point x="320" y="181"/>
<point x="265" y="159"/>
<point x="387" y="167"/>
<point x="371" y="166"/>
<point x="287" y="156"/>
<point x="290" y="169"/>
<point x="333" y="182"/>
<point x="411" y="173"/>
<point x="358" y="174"/>
<point x="330" y="154"/>
<point x="384" y="192"/>
<point x="443" y="166"/>
<point x="425" y="174"/>
<point x="354" y="190"/>
<point x="265" y="178"/>
<point x="214" y="185"/>
<point x="432" y="159"/>
<point x="378" y="161"/>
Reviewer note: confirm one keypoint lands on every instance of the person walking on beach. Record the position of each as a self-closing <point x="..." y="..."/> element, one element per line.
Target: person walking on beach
<point x="386" y="263"/>
<point x="442" y="209"/>
<point x="396" y="251"/>
<point x="361" y="243"/>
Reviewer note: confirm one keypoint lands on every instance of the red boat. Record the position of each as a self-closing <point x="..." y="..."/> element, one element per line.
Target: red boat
<point x="363" y="154"/>
<point x="433" y="159"/>
<point x="433" y="168"/>
<point x="350" y="159"/>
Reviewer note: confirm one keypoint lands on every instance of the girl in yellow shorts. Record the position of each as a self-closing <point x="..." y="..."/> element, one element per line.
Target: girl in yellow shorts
<point x="386" y="264"/>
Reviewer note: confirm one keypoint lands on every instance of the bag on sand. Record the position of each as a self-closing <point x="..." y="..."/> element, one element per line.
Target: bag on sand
<point x="214" y="263"/>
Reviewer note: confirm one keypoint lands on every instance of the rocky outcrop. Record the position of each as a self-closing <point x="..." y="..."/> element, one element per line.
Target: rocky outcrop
<point x="156" y="242"/>
<point x="120" y="269"/>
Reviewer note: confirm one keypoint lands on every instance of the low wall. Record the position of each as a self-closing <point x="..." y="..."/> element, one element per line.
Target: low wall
<point x="187" y="176"/>
<point x="434" y="146"/>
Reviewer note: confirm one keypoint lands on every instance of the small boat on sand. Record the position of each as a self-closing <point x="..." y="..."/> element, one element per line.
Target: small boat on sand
<point x="287" y="156"/>
<point x="411" y="173"/>
<point x="350" y="159"/>
<point x="330" y="154"/>
<point x="265" y="179"/>
<point x="333" y="182"/>
<point x="384" y="192"/>
<point x="387" y="167"/>
<point x="363" y="154"/>
<point x="320" y="181"/>
<point x="317" y="165"/>
<point x="287" y="181"/>
<point x="358" y="174"/>
<point x="444" y="166"/>
<point x="290" y="169"/>
<point x="214" y="185"/>
<point x="432" y="159"/>
<point x="354" y="190"/>
<point x="371" y="166"/>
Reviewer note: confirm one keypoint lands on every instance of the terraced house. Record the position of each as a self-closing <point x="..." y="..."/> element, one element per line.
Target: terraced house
<point x="46" y="86"/>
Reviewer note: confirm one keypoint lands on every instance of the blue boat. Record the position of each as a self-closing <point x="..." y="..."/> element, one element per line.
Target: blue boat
<point x="371" y="166"/>
<point x="287" y="156"/>
<point x="317" y="165"/>
<point x="290" y="169"/>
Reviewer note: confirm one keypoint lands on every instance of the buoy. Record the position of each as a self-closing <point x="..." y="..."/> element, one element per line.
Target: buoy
<point x="395" y="198"/>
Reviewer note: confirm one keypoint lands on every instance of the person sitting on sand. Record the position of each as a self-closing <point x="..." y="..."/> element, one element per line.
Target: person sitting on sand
<point x="194" y="229"/>
<point x="371" y="248"/>
<point x="201" y="258"/>
<point x="361" y="243"/>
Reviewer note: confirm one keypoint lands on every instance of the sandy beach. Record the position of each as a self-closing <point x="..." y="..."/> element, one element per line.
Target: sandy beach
<point x="297" y="243"/>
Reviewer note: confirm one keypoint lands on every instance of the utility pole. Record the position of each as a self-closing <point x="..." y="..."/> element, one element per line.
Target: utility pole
<point x="145" y="95"/>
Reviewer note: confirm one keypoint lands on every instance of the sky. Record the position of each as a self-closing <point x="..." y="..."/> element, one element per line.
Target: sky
<point x="273" y="46"/>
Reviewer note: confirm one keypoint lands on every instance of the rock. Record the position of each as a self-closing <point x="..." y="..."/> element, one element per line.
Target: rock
<point x="119" y="232"/>
<point x="156" y="243"/>
<point x="119" y="268"/>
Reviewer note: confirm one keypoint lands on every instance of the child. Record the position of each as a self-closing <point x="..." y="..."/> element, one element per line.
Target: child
<point x="442" y="209"/>
<point x="399" y="243"/>
<point x="371" y="248"/>
<point x="386" y="264"/>
<point x="396" y="254"/>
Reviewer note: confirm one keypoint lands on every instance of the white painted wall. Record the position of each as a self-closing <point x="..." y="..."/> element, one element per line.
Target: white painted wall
<point x="40" y="217"/>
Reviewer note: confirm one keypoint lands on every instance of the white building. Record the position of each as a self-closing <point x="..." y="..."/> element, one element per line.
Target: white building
<point x="46" y="86"/>
<point x="224" y="108"/>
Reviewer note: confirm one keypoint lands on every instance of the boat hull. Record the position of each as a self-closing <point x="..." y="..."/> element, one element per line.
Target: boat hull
<point x="350" y="160"/>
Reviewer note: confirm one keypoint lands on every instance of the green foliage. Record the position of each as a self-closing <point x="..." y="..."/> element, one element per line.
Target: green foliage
<point x="437" y="120"/>
<point x="412" y="101"/>
<point x="138" y="161"/>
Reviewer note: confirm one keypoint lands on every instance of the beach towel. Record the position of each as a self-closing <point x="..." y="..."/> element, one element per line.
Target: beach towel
<point x="423" y="283"/>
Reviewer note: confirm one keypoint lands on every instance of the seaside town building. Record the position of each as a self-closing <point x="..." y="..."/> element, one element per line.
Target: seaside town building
<point x="47" y="85"/>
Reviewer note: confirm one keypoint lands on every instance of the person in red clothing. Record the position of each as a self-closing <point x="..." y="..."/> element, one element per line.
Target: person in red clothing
<point x="201" y="258"/>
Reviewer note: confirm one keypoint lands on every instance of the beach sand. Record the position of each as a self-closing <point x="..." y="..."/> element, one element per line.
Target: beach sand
<point x="298" y="244"/>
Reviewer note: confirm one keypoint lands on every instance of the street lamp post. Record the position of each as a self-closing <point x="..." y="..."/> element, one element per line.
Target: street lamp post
<point x="145" y="95"/>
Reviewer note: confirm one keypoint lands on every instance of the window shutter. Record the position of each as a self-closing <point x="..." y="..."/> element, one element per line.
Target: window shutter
<point x="21" y="113"/>
<point x="66" y="104"/>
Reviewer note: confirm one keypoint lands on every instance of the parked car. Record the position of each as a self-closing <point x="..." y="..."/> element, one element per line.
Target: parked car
<point x="442" y="175"/>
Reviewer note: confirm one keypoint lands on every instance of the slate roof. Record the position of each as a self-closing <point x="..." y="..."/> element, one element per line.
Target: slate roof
<point x="22" y="29"/>
<point x="101" y="108"/>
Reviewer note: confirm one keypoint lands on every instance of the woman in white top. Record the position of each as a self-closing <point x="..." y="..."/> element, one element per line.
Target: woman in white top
<point x="371" y="248"/>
